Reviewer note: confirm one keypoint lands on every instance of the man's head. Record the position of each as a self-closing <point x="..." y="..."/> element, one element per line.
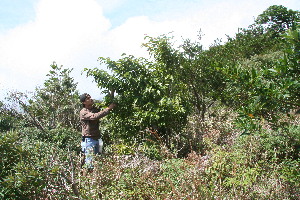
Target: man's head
<point x="86" y="100"/>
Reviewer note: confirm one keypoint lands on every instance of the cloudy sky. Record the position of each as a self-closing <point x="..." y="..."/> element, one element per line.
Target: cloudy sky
<point x="74" y="33"/>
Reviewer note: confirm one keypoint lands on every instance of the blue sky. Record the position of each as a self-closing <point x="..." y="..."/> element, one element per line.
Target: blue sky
<point x="74" y="33"/>
<point x="15" y="12"/>
<point x="156" y="10"/>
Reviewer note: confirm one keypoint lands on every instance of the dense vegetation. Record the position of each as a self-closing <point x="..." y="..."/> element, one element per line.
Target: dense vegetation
<point x="191" y="123"/>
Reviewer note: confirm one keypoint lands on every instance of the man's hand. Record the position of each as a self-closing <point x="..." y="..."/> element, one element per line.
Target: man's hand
<point x="112" y="106"/>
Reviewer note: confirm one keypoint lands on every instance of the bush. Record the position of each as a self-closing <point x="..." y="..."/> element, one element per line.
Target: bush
<point x="33" y="169"/>
<point x="11" y="152"/>
<point x="63" y="138"/>
<point x="242" y="170"/>
<point x="19" y="180"/>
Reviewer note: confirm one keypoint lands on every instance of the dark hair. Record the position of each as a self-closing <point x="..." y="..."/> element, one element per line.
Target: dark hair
<point x="83" y="97"/>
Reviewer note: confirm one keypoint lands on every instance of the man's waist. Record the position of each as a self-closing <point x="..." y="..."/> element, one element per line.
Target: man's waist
<point x="90" y="137"/>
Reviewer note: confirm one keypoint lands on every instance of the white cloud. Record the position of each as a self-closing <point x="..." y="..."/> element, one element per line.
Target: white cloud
<point x="62" y="31"/>
<point x="74" y="33"/>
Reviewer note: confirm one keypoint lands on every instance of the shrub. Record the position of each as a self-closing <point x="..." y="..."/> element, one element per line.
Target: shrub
<point x="33" y="169"/>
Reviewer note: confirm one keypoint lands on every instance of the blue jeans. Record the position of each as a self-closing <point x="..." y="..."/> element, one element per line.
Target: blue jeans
<point x="90" y="147"/>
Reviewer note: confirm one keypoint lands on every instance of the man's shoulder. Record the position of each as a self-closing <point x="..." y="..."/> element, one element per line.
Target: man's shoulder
<point x="83" y="110"/>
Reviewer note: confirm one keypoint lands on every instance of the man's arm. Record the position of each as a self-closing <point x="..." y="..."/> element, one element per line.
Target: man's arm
<point x="87" y="115"/>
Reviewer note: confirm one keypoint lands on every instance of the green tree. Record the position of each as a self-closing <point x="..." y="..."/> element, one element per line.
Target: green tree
<point x="278" y="19"/>
<point x="145" y="96"/>
<point x="263" y="83"/>
<point x="54" y="105"/>
<point x="195" y="71"/>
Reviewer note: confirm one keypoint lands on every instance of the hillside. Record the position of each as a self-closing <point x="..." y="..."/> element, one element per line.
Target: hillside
<point x="191" y="123"/>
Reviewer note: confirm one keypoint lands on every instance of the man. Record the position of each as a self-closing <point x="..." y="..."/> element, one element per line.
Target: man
<point x="89" y="119"/>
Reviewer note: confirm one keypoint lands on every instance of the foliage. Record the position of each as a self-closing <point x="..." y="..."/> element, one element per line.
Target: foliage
<point x="11" y="152"/>
<point x="220" y="123"/>
<point x="45" y="126"/>
<point x="262" y="166"/>
<point x="193" y="70"/>
<point x="146" y="98"/>
<point x="254" y="160"/>
<point x="269" y="73"/>
<point x="63" y="138"/>
<point x="6" y="119"/>
<point x="196" y="80"/>
<point x="54" y="105"/>
<point x="17" y="179"/>
<point x="278" y="18"/>
<point x="31" y="169"/>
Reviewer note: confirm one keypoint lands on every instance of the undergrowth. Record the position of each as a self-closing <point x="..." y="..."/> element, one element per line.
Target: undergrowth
<point x="262" y="165"/>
